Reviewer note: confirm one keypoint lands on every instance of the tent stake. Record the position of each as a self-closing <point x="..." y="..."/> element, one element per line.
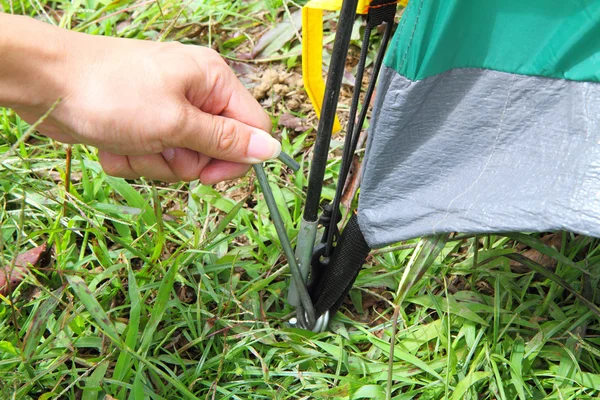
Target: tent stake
<point x="304" y="309"/>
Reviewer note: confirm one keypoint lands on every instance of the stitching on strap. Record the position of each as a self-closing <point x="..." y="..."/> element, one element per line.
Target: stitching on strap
<point x="382" y="5"/>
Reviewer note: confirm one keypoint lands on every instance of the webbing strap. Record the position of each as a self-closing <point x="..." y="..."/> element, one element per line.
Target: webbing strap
<point x="381" y="11"/>
<point x="351" y="250"/>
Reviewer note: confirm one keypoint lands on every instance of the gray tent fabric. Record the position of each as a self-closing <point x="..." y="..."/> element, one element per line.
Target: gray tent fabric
<point x="481" y="151"/>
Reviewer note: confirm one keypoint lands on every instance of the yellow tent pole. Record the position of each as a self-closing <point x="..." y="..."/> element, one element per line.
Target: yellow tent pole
<point x="312" y="48"/>
<point x="312" y="58"/>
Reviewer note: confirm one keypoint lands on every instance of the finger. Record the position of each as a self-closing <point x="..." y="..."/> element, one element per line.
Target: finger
<point x="116" y="165"/>
<point x="243" y="107"/>
<point x="219" y="170"/>
<point x="219" y="92"/>
<point x="152" y="166"/>
<point x="186" y="164"/>
<point x="223" y="138"/>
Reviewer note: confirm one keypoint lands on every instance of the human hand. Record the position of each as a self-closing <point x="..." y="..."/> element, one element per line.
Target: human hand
<point x="165" y="111"/>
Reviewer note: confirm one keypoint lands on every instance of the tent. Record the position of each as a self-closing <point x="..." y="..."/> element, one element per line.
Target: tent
<point x="486" y="119"/>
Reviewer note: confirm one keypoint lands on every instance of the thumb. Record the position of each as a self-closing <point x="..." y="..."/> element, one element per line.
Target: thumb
<point x="225" y="138"/>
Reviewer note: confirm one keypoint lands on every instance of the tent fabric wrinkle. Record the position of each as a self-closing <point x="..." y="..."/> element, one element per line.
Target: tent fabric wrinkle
<point x="481" y="151"/>
<point x="487" y="119"/>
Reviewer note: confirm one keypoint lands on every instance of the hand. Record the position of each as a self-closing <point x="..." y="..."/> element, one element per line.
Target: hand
<point x="165" y="111"/>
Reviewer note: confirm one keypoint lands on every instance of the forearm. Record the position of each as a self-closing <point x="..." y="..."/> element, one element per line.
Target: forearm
<point x="32" y="62"/>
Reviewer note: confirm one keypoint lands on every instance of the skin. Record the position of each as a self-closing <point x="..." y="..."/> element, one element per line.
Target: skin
<point x="165" y="111"/>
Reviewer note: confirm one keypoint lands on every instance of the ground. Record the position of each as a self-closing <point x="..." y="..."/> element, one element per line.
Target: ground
<point x="137" y="289"/>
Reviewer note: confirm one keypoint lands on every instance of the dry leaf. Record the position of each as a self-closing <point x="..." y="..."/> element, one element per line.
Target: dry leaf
<point x="185" y="293"/>
<point x="352" y="183"/>
<point x="12" y="275"/>
<point x="245" y="72"/>
<point x="292" y="122"/>
<point x="552" y="239"/>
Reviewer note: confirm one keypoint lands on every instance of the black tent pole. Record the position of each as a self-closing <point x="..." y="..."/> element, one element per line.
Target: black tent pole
<point x="330" y="100"/>
<point x="308" y="227"/>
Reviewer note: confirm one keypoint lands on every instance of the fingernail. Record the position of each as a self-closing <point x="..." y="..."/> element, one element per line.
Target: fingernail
<point x="262" y="147"/>
<point x="168" y="154"/>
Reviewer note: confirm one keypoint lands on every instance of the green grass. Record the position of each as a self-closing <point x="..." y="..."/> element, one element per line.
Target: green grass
<point x="170" y="292"/>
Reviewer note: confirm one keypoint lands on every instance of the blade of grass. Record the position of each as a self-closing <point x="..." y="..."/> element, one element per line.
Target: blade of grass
<point x="554" y="278"/>
<point x="85" y="295"/>
<point x="160" y="305"/>
<point x="517" y="356"/>
<point x="160" y="230"/>
<point x="425" y="254"/>
<point x="125" y="360"/>
<point x="93" y="384"/>
<point x="133" y="198"/>
<point x="39" y="323"/>
<point x="498" y="378"/>
<point x="549" y="251"/>
<point x="469" y="381"/>
<point x="137" y="393"/>
<point x="222" y="225"/>
<point x="29" y="131"/>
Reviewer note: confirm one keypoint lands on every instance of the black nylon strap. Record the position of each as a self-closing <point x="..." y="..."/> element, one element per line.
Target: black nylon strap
<point x="350" y="253"/>
<point x="381" y="11"/>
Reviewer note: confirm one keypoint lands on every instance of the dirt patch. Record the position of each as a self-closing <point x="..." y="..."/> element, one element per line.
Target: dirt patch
<point x="236" y="189"/>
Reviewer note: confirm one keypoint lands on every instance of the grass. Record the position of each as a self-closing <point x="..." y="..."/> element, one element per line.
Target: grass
<point x="176" y="292"/>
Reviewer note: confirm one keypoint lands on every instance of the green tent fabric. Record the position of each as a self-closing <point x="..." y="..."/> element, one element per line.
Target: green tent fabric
<point x="550" y="38"/>
<point x="487" y="119"/>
